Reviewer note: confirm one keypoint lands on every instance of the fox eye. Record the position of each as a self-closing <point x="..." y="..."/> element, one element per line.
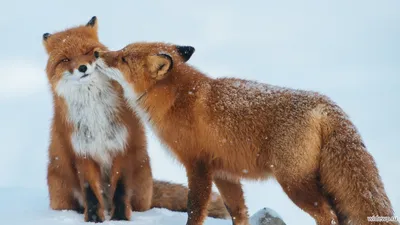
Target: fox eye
<point x="65" y="60"/>
<point x="124" y="60"/>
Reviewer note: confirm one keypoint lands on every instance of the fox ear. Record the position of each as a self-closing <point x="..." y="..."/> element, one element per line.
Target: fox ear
<point x="159" y="65"/>
<point x="185" y="52"/>
<point x="45" y="36"/>
<point x="92" y="22"/>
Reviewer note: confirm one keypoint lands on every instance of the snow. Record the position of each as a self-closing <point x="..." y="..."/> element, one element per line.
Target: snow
<point x="22" y="206"/>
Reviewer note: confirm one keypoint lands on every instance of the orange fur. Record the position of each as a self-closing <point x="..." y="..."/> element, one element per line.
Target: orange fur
<point x="226" y="129"/>
<point x="83" y="175"/>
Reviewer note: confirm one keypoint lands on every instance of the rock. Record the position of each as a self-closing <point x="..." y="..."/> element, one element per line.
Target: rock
<point x="266" y="216"/>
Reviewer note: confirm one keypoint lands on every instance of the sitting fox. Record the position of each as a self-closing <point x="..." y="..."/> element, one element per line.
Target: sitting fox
<point x="98" y="156"/>
<point x="226" y="129"/>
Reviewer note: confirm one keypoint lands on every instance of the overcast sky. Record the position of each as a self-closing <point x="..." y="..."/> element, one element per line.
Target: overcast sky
<point x="348" y="50"/>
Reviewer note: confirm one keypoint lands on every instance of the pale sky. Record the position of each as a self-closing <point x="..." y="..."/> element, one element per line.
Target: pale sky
<point x="349" y="51"/>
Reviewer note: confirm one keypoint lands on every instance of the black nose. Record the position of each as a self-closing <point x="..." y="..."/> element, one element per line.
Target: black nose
<point x="96" y="54"/>
<point x="82" y="68"/>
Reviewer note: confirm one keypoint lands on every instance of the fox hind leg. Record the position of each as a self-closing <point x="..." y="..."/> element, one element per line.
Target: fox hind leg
<point x="61" y="184"/>
<point x="142" y="188"/>
<point x="62" y="198"/>
<point x="306" y="193"/>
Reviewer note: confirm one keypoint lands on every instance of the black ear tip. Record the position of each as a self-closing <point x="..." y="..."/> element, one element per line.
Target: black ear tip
<point x="185" y="51"/>
<point x="192" y="48"/>
<point x="46" y="35"/>
<point x="92" y="21"/>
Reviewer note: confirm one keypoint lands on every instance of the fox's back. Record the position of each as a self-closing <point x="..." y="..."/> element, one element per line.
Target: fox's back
<point x="255" y="118"/>
<point x="235" y="103"/>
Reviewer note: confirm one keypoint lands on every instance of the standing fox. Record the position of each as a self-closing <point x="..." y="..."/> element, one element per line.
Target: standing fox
<point x="226" y="129"/>
<point x="97" y="155"/>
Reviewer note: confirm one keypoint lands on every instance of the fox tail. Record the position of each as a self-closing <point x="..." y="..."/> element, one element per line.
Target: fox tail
<point x="174" y="197"/>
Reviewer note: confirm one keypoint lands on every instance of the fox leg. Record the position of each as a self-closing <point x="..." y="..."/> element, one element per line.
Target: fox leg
<point x="120" y="190"/>
<point x="200" y="184"/>
<point x="141" y="186"/>
<point x="232" y="194"/>
<point x="89" y="178"/>
<point x="307" y="194"/>
<point x="61" y="194"/>
<point x="121" y="208"/>
<point x="62" y="182"/>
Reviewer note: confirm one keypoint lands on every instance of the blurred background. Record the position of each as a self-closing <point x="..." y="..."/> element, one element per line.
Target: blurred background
<point x="348" y="50"/>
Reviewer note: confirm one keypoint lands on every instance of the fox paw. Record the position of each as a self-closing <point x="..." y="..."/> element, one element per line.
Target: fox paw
<point x="93" y="217"/>
<point x="121" y="212"/>
<point x="118" y="215"/>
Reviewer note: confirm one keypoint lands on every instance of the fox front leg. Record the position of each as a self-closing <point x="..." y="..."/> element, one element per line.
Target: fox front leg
<point x="89" y="179"/>
<point x="200" y="184"/>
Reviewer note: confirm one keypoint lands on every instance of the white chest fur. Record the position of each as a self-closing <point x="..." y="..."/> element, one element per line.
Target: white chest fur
<point x="92" y="109"/>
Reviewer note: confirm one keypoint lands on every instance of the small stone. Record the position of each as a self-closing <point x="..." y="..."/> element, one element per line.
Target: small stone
<point x="266" y="216"/>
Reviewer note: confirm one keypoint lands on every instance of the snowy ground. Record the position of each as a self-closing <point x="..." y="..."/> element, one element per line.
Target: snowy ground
<point x="21" y="206"/>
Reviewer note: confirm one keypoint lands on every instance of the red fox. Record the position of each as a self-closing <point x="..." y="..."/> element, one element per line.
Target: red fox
<point x="226" y="129"/>
<point x="97" y="156"/>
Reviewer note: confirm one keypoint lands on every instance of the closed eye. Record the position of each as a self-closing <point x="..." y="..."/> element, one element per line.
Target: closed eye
<point x="87" y="53"/>
<point x="65" y="60"/>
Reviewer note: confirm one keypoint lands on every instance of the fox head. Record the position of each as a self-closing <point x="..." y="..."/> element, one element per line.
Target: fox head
<point x="142" y="65"/>
<point x="71" y="60"/>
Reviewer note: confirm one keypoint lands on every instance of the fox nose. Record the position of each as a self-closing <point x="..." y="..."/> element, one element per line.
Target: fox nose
<point x="82" y="68"/>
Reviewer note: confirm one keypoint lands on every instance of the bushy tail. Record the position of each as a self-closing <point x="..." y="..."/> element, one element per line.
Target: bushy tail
<point x="350" y="176"/>
<point x="174" y="197"/>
